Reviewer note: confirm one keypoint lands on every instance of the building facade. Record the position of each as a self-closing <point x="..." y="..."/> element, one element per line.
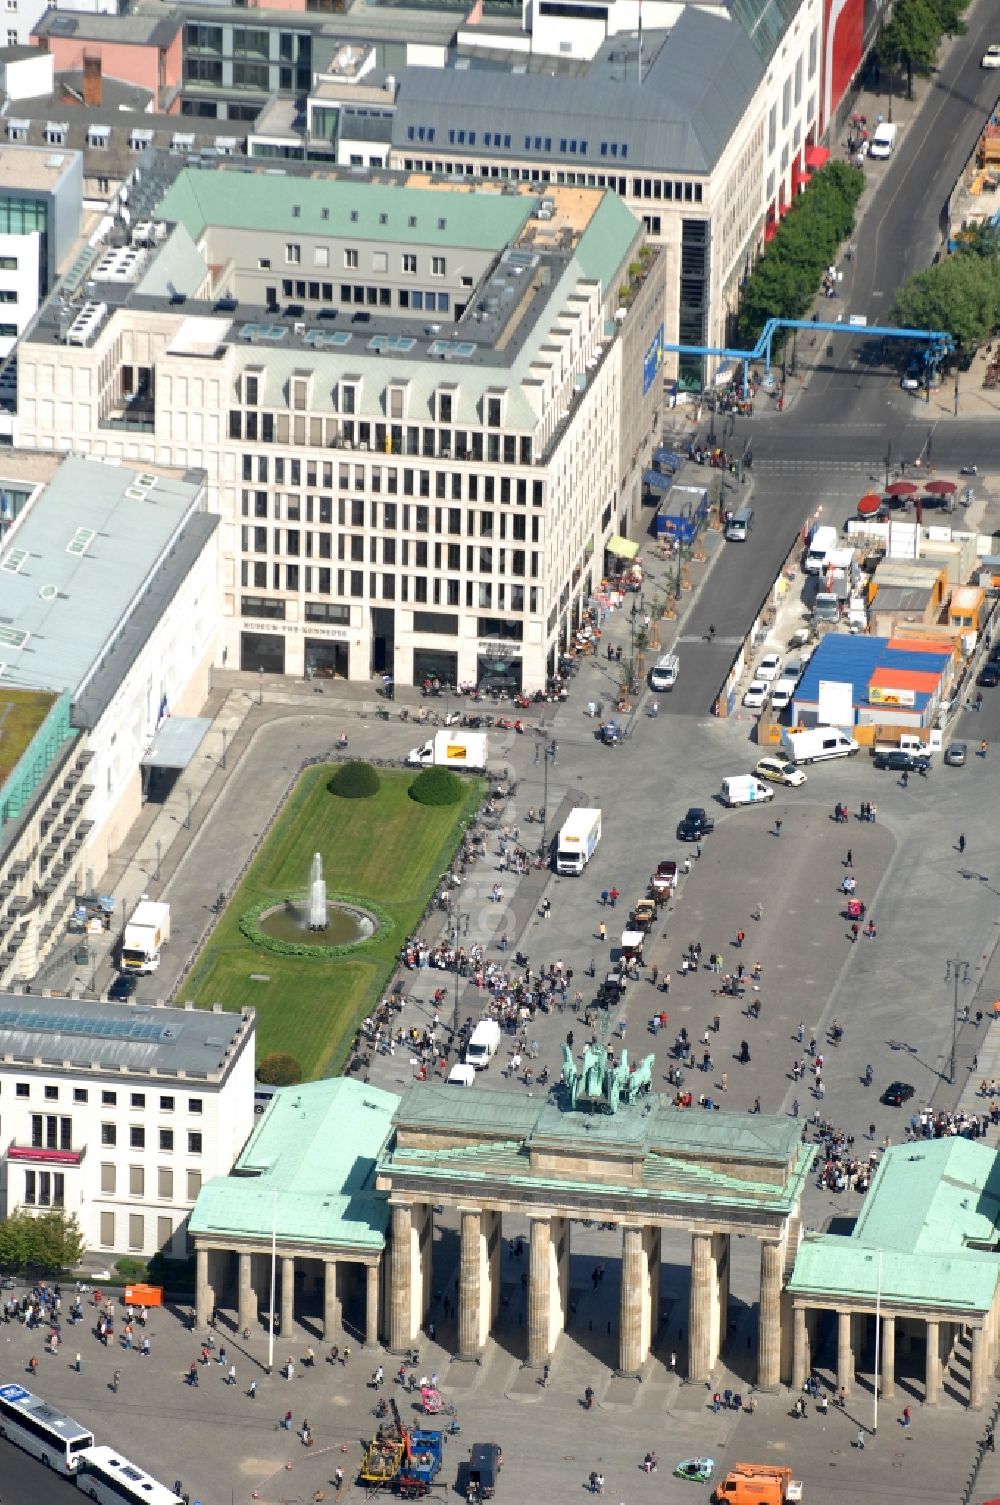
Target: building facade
<point x="117" y="1113"/>
<point x="421" y="436"/>
<point x="41" y="198"/>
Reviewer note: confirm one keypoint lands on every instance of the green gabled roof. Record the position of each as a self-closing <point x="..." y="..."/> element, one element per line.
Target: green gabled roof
<point x="317" y="1145"/>
<point x="607" y="240"/>
<point x="474" y="219"/>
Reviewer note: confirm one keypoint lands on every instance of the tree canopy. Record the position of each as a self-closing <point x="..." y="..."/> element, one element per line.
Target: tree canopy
<point x="960" y="294"/>
<point x="48" y="1243"/>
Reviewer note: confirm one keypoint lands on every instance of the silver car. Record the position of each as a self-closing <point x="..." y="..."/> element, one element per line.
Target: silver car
<point x="956" y="754"/>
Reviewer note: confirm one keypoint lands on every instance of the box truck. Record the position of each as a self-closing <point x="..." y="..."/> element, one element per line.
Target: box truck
<point x="758" y="1484"/>
<point x="451" y="748"/>
<point x="145" y="933"/>
<point x="822" y="541"/>
<point x="810" y="744"/>
<point x="745" y="789"/>
<point x="578" y="840"/>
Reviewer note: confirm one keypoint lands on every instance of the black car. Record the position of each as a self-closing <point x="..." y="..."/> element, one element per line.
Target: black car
<point x="696" y="824"/>
<point x="989" y="676"/>
<point x="897" y="1093"/>
<point x="898" y="761"/>
<point x="477" y="1479"/>
<point x="123" y="986"/>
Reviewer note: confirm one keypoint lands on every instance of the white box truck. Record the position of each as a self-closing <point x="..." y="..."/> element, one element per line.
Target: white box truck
<point x="145" y="933"/>
<point x="484" y="1042"/>
<point x="810" y="744"/>
<point x="745" y="789"/>
<point x="578" y="840"/>
<point x="822" y="542"/>
<point x="451" y="748"/>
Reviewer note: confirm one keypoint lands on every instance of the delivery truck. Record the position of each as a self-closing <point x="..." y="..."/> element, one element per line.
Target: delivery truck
<point x="484" y="1042"/>
<point x="745" y="789"/>
<point x="758" y="1484"/>
<point x="578" y="840"/>
<point x="810" y="744"/>
<point x="145" y="933"/>
<point x="822" y="541"/>
<point x="451" y="748"/>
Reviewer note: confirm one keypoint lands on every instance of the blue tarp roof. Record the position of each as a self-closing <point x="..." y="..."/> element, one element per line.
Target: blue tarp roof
<point x="667" y="459"/>
<point x="854" y="659"/>
<point x="655" y="480"/>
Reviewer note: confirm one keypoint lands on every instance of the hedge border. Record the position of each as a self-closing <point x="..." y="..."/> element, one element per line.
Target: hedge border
<point x="251" y="929"/>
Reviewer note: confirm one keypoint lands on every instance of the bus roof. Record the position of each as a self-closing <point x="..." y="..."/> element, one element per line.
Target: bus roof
<point x="33" y="1405"/>
<point x="108" y="1463"/>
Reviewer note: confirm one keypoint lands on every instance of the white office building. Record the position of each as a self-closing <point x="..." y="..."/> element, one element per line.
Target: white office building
<point x="117" y="1113"/>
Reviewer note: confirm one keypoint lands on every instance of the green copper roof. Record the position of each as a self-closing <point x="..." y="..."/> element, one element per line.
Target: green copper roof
<point x="317" y="1145"/>
<point x="336" y="207"/>
<point x="933" y="1210"/>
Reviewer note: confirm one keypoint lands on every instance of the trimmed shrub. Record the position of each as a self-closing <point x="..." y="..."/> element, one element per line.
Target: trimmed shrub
<point x="437" y="786"/>
<point x="132" y="1269"/>
<point x="279" y="1070"/>
<point x="355" y="781"/>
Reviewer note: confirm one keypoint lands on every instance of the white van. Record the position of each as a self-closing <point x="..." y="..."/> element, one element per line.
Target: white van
<point x="745" y="789"/>
<point x="484" y="1042"/>
<point x="461" y="1076"/>
<point x="822" y="543"/>
<point x="663" y="675"/>
<point x="813" y="743"/>
<point x="739" y="525"/>
<point x="883" y="141"/>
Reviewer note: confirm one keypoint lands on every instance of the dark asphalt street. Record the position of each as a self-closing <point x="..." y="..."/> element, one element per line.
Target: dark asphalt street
<point x="25" y="1481"/>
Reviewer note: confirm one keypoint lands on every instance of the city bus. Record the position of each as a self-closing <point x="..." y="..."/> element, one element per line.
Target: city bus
<point x="40" y="1429"/>
<point x="110" y="1479"/>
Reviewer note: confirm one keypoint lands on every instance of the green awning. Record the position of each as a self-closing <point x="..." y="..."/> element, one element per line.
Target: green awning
<point x="622" y="548"/>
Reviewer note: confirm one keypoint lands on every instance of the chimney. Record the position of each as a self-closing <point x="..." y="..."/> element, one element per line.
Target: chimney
<point x="92" y="82"/>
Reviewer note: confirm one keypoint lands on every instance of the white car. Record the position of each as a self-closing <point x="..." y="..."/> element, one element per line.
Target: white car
<point x="778" y="771"/>
<point x="756" y="695"/>
<point x="781" y="695"/>
<point x="991" y="57"/>
<point x="769" y="667"/>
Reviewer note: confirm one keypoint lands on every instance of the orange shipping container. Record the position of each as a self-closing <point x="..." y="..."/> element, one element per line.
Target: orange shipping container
<point x="143" y="1295"/>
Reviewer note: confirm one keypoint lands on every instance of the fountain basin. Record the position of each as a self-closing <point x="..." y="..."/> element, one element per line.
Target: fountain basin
<point x="346" y="924"/>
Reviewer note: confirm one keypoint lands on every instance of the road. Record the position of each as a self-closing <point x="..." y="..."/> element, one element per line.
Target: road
<point x="835" y="436"/>
<point x="25" y="1481"/>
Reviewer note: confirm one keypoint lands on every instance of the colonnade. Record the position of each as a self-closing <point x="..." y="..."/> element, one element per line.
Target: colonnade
<point x="409" y="1278"/>
<point x="252" y="1296"/>
<point x="941" y="1333"/>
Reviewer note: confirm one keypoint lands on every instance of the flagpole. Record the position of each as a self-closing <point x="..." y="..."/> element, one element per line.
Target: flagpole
<point x="274" y="1264"/>
<point x="878" y="1341"/>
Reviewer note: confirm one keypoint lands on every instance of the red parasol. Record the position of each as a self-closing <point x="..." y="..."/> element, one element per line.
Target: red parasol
<point x="902" y="488"/>
<point x="941" y="488"/>
<point x="869" y="504"/>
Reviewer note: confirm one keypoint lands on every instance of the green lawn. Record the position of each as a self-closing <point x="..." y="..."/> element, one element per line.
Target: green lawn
<point x="388" y="850"/>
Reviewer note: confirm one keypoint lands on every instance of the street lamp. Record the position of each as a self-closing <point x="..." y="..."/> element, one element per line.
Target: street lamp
<point x="550" y="757"/>
<point x="455" y="928"/>
<point x="956" y="971"/>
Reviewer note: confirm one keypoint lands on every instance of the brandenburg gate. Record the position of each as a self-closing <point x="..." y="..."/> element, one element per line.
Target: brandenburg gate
<point x="608" y="1151"/>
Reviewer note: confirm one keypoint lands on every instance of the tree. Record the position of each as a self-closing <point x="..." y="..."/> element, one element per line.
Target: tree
<point x="279" y="1070"/>
<point x="960" y="295"/>
<point x="912" y="35"/>
<point x="980" y="240"/>
<point x="437" y="786"/>
<point x="48" y="1243"/>
<point x="355" y="781"/>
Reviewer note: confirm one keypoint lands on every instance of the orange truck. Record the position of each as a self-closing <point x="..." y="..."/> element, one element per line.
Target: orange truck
<point x="758" y="1484"/>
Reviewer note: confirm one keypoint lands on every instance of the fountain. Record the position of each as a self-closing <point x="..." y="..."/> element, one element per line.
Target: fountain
<point x="332" y="923"/>
<point x="318" y="918"/>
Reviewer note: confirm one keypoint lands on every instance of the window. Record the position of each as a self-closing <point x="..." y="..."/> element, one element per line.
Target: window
<point x="293" y="254"/>
<point x="51" y="1094"/>
<point x="437" y="266"/>
<point x="166" y="1139"/>
<point x="80" y="1094"/>
<point x="109" y="1134"/>
<point x="138" y="1100"/>
<point x="193" y="1185"/>
<point x="137" y="1137"/>
<point x="165" y="1183"/>
<point x="409" y="262"/>
<point x="109" y="1178"/>
<point x="164" y="1232"/>
<point x="351" y="259"/>
<point x="194" y="1143"/>
<point x="98" y="137"/>
<point x="22" y="1090"/>
<point x="166" y="1105"/>
<point x="194" y="1104"/>
<point x="107" y="1230"/>
<point x="136" y="1230"/>
<point x="109" y="1099"/>
<point x="136" y="1181"/>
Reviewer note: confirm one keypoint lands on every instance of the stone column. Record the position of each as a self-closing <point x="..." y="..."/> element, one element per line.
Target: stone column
<point x="331" y="1301"/>
<point x="932" y="1377"/>
<point x="722" y="1249"/>
<point x="702" y="1296"/>
<point x="539" y="1289"/>
<point x="800" y="1348"/>
<point x="845" y="1352"/>
<point x="494" y="1256"/>
<point x="204" y="1299"/>
<point x="401" y="1326"/>
<point x="246" y="1302"/>
<point x="769" y="1317"/>
<point x="470" y="1285"/>
<point x="977" y="1369"/>
<point x="371" y="1305"/>
<point x="634" y="1279"/>
<point x="888" y="1357"/>
<point x="287" y="1295"/>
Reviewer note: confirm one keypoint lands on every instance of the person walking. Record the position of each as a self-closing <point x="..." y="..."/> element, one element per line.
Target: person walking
<point x="231" y="1376"/>
<point x="961" y="842"/>
<point x="795" y="1107"/>
<point x="116" y="1380"/>
<point x="252" y="1390"/>
<point x="861" y="1439"/>
<point x="849" y="860"/>
<point x="79" y="1364"/>
<point x="906" y="1416"/>
<point x="602" y="932"/>
<point x="777" y="827"/>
